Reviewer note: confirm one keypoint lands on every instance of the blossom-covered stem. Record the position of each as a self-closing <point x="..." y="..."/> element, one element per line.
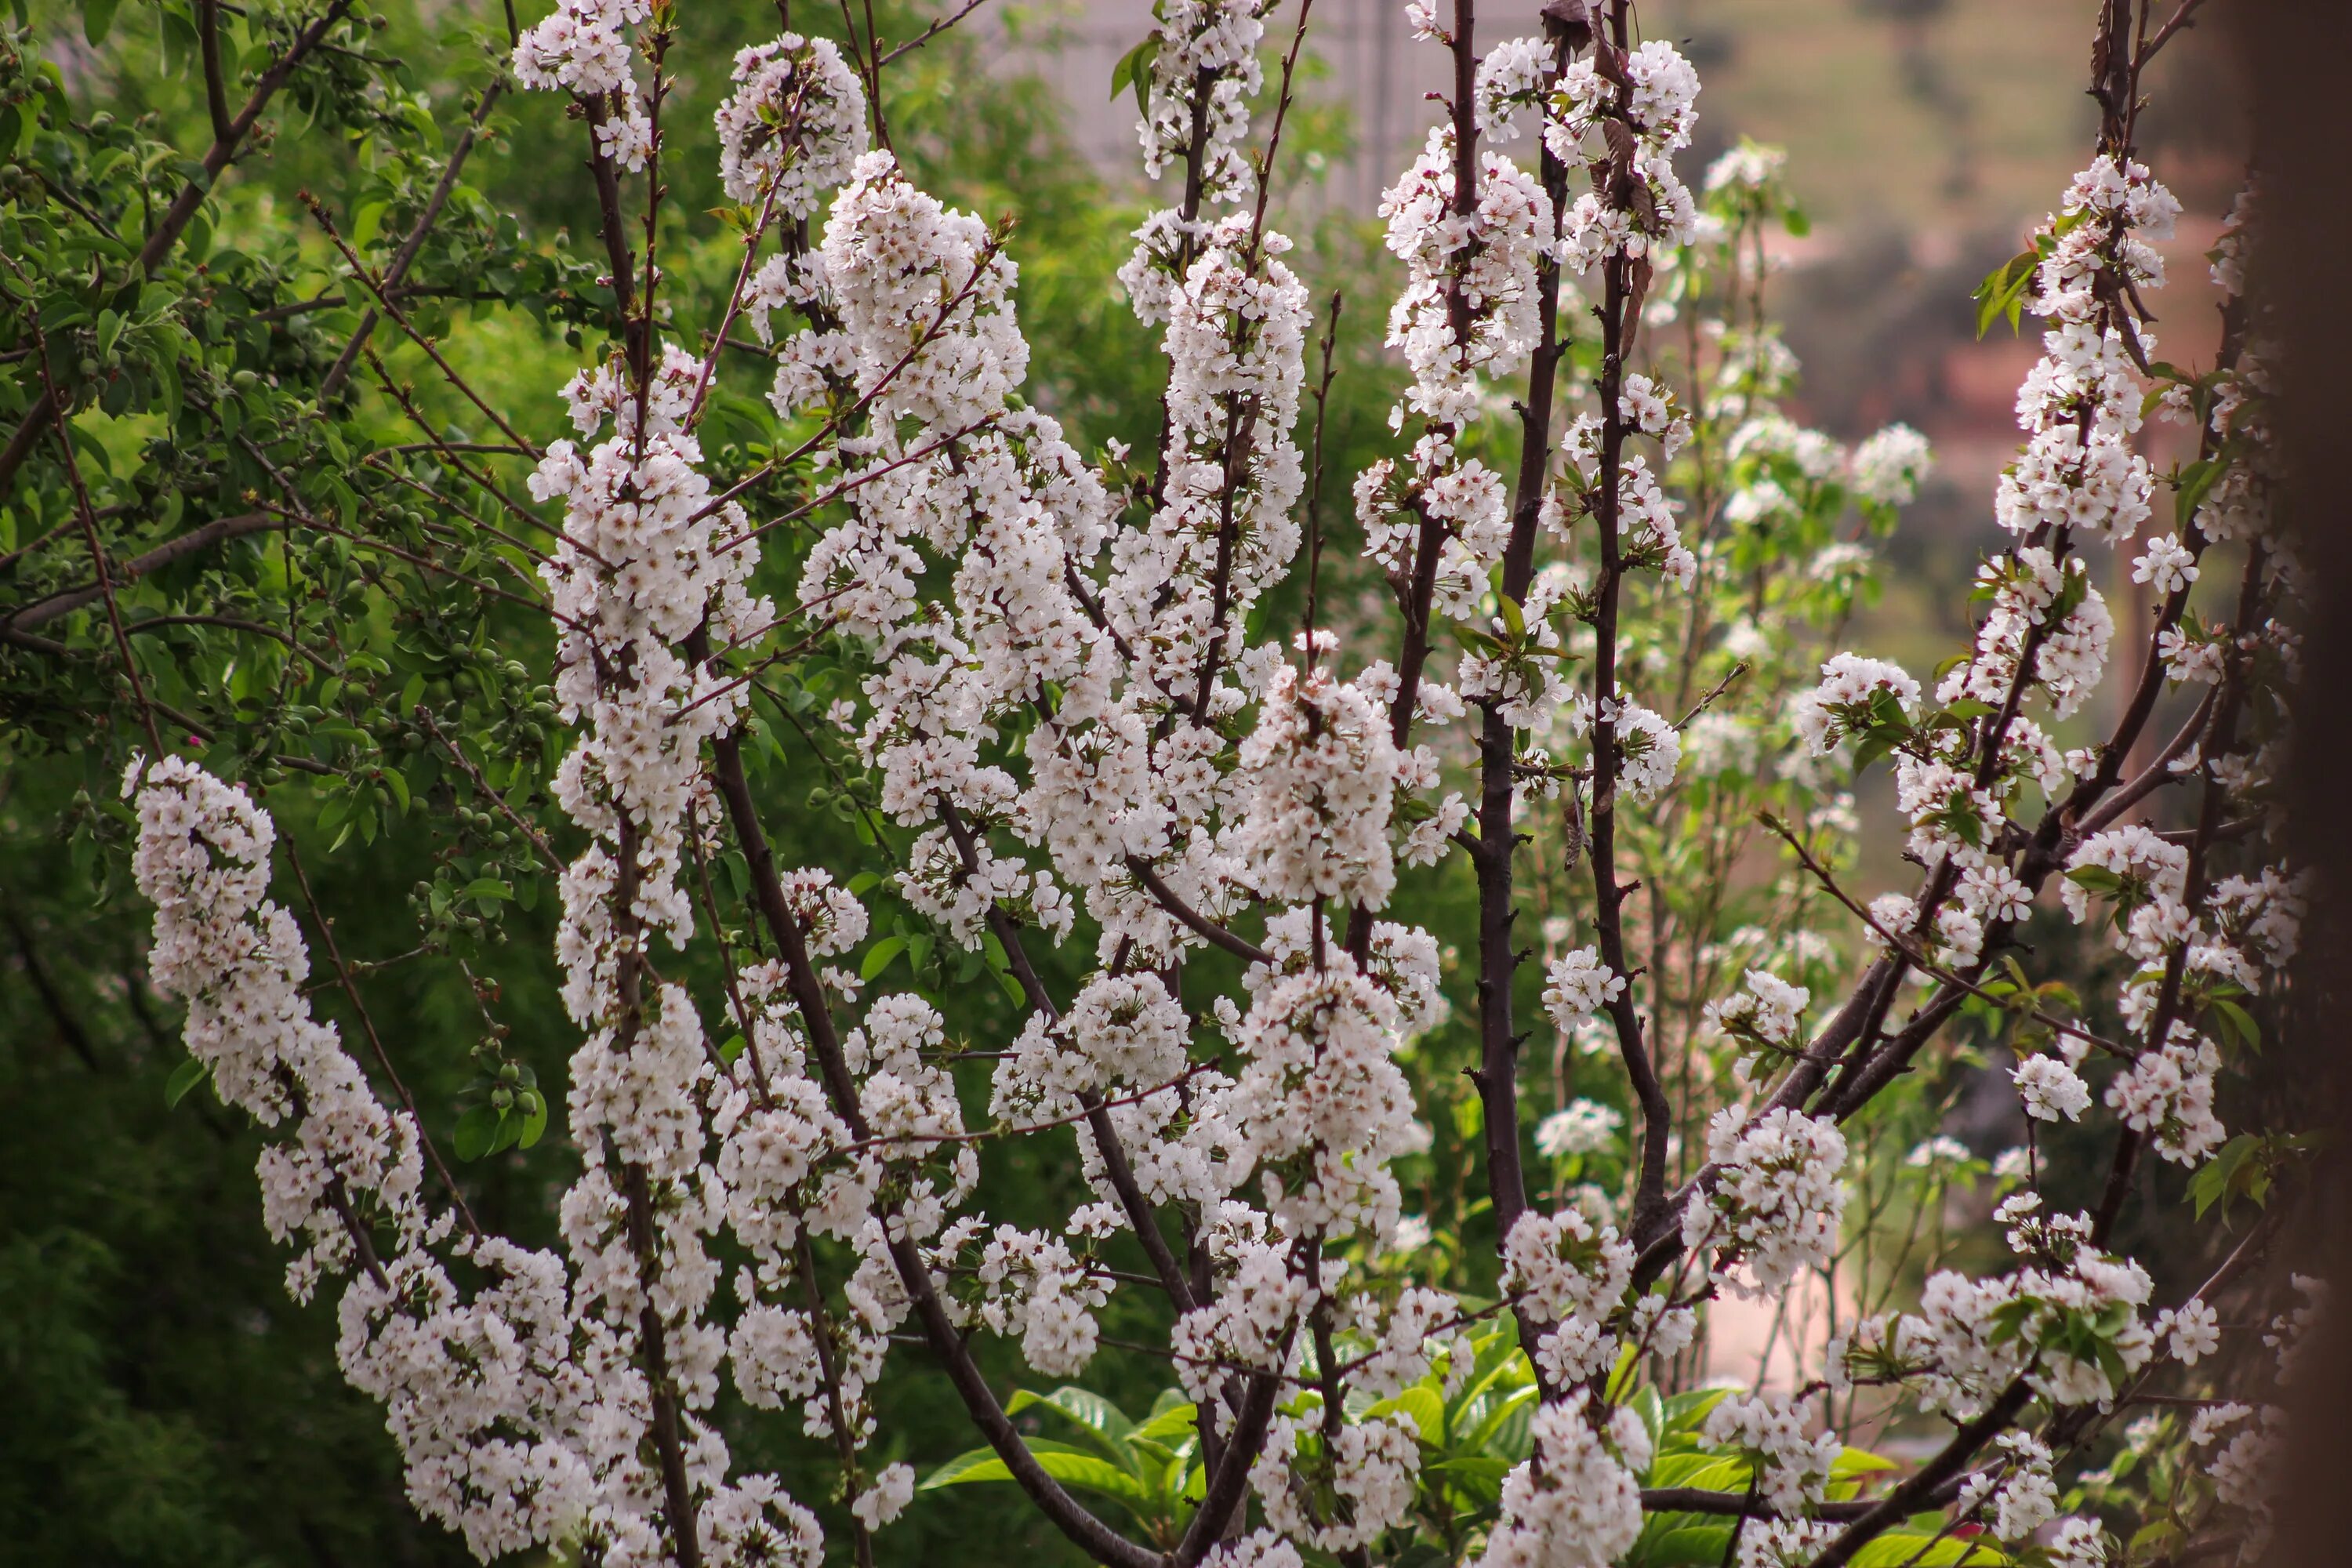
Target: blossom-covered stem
<point x="1314" y="497"/>
<point x="1865" y="1075"/>
<point x="2090" y="792"/>
<point x="1240" y="424"/>
<point x="1116" y="1166"/>
<point x="670" y="1445"/>
<point x="844" y="1439"/>
<point x="1331" y="1385"/>
<point x="643" y="1245"/>
<point x="1273" y="132"/>
<point x="1217" y="936"/>
<point x="637" y="330"/>
<point x="2221" y="740"/>
<point x="2082" y="1423"/>
<point x="1188" y="213"/>
<point x="1821" y="873"/>
<point x="1617" y="320"/>
<point x="1872" y="1065"/>
<point x="735" y="298"/>
<point x="1915" y="1490"/>
<point x="945" y="1339"/>
<point x="657" y="49"/>
<point x="1229" y="1479"/>
<point x="835" y="424"/>
<point x="1417" y="594"/>
<point x="2155" y="777"/>
<point x="1497" y="841"/>
<point x="728" y="975"/>
<point x="375" y="1042"/>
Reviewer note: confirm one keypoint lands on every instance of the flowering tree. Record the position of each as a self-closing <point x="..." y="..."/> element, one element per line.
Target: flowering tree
<point x="1132" y="741"/>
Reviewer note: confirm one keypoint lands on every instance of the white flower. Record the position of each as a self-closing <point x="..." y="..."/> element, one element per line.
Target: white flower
<point x="1583" y="1127"/>
<point x="883" y="1500"/>
<point x="2052" y="1090"/>
<point x="1578" y="983"/>
<point x="1887" y="467"/>
<point x="2194" y="1330"/>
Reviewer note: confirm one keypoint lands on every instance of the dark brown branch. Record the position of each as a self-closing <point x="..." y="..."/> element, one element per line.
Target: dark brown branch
<point x="1066" y="1512"/>
<point x="42" y="611"/>
<point x="406" y="256"/>
<point x="1216" y="936"/>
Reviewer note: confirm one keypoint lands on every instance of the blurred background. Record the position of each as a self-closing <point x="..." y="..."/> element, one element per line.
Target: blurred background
<point x="1924" y="139"/>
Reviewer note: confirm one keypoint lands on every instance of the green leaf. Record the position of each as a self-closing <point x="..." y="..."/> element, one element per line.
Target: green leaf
<point x="1071" y="1469"/>
<point x="486" y="888"/>
<point x="1176" y="1418"/>
<point x="1097" y="1418"/>
<point x="476" y="1130"/>
<point x="98" y="19"/>
<point x="184" y="1076"/>
<point x="1651" y="1409"/>
<point x="1704" y="1472"/>
<point x="1134" y="69"/>
<point x="2237" y="1023"/>
<point x="1685" y="1546"/>
<point x="2002" y="293"/>
<point x="364" y="227"/>
<point x="966" y="1468"/>
<point x="534" y="1126"/>
<point x="1421" y="1405"/>
<point x="1688" y="1412"/>
<point x="1858" y="1462"/>
<point x="2216" y="1177"/>
<point x="1906" y="1550"/>
<point x="879" y="957"/>
<point x="510" y="1128"/>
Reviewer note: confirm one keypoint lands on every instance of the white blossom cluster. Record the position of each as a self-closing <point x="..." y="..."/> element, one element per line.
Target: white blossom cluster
<point x="493" y="1409"/>
<point x="1203" y="73"/>
<point x="1070" y="712"/>
<point x="1792" y="1465"/>
<point x="795" y="126"/>
<point x="1775" y="1200"/>
<point x="1637" y="201"/>
<point x="2081" y="404"/>
<point x="1576" y="1504"/>
<point x="2067" y="1321"/>
<point x="583" y="47"/>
